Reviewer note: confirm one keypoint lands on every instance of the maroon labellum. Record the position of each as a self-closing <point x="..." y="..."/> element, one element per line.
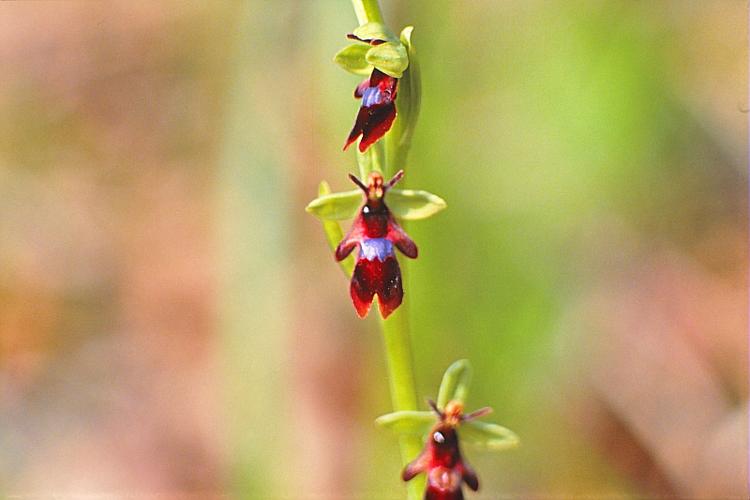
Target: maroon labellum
<point x="376" y="233"/>
<point x="441" y="458"/>
<point x="378" y="109"/>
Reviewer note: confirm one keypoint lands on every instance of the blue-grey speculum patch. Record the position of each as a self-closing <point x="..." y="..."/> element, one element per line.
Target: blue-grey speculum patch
<point x="375" y="248"/>
<point x="372" y="96"/>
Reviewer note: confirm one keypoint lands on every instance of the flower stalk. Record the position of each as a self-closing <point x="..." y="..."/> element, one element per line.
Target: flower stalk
<point x="395" y="328"/>
<point x="402" y="385"/>
<point x="382" y="132"/>
<point x="367" y="253"/>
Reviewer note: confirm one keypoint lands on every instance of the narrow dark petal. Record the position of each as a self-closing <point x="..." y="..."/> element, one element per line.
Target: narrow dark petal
<point x="477" y="414"/>
<point x="394" y="180"/>
<point x="371" y="41"/>
<point x="402" y="241"/>
<point x="432" y="404"/>
<point x="415" y="467"/>
<point x="350" y="241"/>
<point x="378" y="122"/>
<point x="470" y="477"/>
<point x="361" y="185"/>
<point x="344" y="249"/>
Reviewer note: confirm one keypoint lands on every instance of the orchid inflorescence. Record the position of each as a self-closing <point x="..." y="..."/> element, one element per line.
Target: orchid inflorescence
<point x="375" y="232"/>
<point x="390" y="98"/>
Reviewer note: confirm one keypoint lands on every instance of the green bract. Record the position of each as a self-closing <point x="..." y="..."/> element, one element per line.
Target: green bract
<point x="416" y="423"/>
<point x="410" y="93"/>
<point x="455" y="384"/>
<point x="489" y="436"/>
<point x="408" y="104"/>
<point x="480" y="434"/>
<point x="352" y="59"/>
<point x="336" y="206"/>
<point x="374" y="31"/>
<point x="389" y="57"/>
<point x="410" y="204"/>
<point x="454" y="387"/>
<point x="406" y="204"/>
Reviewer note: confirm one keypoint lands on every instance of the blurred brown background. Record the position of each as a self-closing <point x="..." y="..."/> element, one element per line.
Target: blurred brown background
<point x="172" y="323"/>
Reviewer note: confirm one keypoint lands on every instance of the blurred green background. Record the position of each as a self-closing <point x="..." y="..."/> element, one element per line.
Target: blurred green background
<point x="173" y="323"/>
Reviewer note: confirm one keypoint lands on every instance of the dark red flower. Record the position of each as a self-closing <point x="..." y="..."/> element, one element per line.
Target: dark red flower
<point x="376" y="232"/>
<point x="441" y="458"/>
<point x="378" y="109"/>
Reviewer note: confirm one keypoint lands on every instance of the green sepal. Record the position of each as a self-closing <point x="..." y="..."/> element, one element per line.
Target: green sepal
<point x="389" y="57"/>
<point x="352" y="59"/>
<point x="408" y="100"/>
<point x="334" y="234"/>
<point x="336" y="206"/>
<point x="455" y="384"/>
<point x="410" y="204"/>
<point x="406" y="204"/>
<point x="408" y="422"/>
<point x="375" y="31"/>
<point x="488" y="436"/>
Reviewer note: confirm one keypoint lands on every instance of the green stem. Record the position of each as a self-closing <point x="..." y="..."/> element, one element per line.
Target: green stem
<point x="368" y="11"/>
<point x="396" y="328"/>
<point x="372" y="160"/>
<point x="403" y="387"/>
<point x="398" y="139"/>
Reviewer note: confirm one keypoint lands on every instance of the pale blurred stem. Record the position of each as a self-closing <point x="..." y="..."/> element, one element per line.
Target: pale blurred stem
<point x="378" y="157"/>
<point x="396" y="328"/>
